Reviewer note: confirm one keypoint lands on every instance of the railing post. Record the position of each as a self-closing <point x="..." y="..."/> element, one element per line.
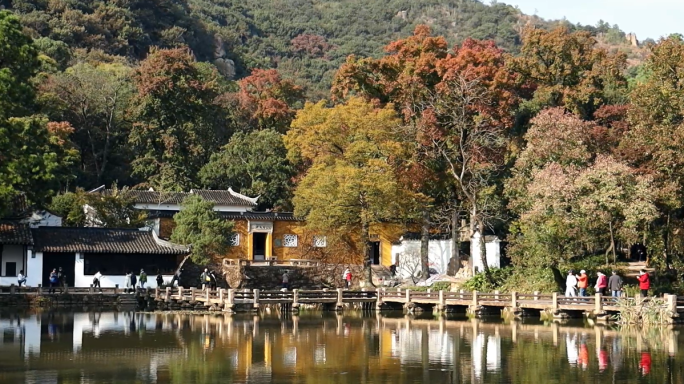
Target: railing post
<point x="90" y="289"/>
<point x="408" y="296"/>
<point x="231" y="297"/>
<point x="116" y="289"/>
<point x="192" y="293"/>
<point x="475" y="301"/>
<point x="442" y="303"/>
<point x="13" y="289"/>
<point x="168" y="294"/>
<point x="180" y="293"/>
<point x="221" y="293"/>
<point x="207" y="294"/>
<point x="514" y="299"/>
<point x="536" y="295"/>
<point x="554" y="301"/>
<point x="295" y="298"/>
<point x="672" y="303"/>
<point x="598" y="304"/>
<point x="256" y="299"/>
<point x="40" y="289"/>
<point x="156" y="292"/>
<point x="340" y="301"/>
<point x="496" y="295"/>
<point x="461" y="292"/>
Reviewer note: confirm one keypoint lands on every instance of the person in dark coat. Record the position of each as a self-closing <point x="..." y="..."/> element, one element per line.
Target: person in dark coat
<point x="134" y="281"/>
<point x="160" y="279"/>
<point x="615" y="284"/>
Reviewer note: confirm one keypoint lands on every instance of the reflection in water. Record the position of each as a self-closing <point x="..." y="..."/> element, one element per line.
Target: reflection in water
<point x="125" y="347"/>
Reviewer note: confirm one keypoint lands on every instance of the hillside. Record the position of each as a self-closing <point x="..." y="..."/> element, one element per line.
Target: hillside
<point x="306" y="40"/>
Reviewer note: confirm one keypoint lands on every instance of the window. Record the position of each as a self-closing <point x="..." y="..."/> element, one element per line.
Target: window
<point x="10" y="269"/>
<point x="289" y="240"/>
<point x="234" y="240"/>
<point x="320" y="241"/>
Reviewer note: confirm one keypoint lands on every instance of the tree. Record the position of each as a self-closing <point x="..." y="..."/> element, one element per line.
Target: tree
<point x="267" y="101"/>
<point x="197" y="224"/>
<point x="179" y="123"/>
<point x="569" y="70"/>
<point x="115" y="209"/>
<point x="95" y="100"/>
<point x="18" y="64"/>
<point x="255" y="164"/>
<point x="355" y="152"/>
<point x="35" y="158"/>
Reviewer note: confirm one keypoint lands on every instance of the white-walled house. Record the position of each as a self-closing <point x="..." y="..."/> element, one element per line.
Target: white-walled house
<point x="82" y="252"/>
<point x="406" y="254"/>
<point x="15" y="250"/>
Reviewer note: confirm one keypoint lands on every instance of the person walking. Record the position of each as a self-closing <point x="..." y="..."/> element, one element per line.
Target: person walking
<point x="571" y="284"/>
<point x="176" y="278"/>
<point x="601" y="283"/>
<point x="21" y="279"/>
<point x="347" y="278"/>
<point x="142" y="279"/>
<point x="615" y="284"/>
<point x="61" y="277"/>
<point x="134" y="281"/>
<point x="205" y="279"/>
<point x="644" y="282"/>
<point x="393" y="270"/>
<point x="583" y="283"/>
<point x="128" y="281"/>
<point x="54" y="280"/>
<point x="212" y="280"/>
<point x="286" y="281"/>
<point x="96" y="281"/>
<point x="160" y="279"/>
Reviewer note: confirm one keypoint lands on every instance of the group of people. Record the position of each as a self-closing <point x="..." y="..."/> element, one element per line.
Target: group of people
<point x="208" y="279"/>
<point x="576" y="285"/>
<point x="56" y="279"/>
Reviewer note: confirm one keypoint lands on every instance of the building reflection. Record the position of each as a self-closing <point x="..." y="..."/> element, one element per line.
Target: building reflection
<point x="174" y="348"/>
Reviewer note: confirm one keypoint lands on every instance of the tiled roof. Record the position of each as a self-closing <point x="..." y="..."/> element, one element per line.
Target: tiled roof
<point x="102" y="240"/>
<point x="14" y="233"/>
<point x="218" y="197"/>
<point x="261" y="216"/>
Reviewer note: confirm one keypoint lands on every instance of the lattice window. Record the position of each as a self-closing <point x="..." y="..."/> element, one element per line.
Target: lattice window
<point x="234" y="240"/>
<point x="320" y="241"/>
<point x="289" y="240"/>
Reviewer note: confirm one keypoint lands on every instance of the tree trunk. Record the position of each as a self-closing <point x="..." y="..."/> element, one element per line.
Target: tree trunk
<point x="425" y="245"/>
<point x="455" y="242"/>
<point x="612" y="244"/>
<point x="483" y="247"/>
<point x="365" y="240"/>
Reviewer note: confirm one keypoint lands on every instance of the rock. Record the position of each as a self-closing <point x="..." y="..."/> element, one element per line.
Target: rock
<point x="226" y="67"/>
<point x="403" y="15"/>
<point x="632" y="38"/>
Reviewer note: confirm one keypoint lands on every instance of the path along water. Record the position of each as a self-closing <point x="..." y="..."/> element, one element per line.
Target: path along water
<point x="127" y="347"/>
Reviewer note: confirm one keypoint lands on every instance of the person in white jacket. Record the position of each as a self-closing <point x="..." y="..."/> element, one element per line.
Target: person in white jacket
<point x="571" y="284"/>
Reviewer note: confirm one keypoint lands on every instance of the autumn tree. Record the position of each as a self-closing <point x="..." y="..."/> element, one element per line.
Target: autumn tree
<point x="267" y="101"/>
<point x="179" y="125"/>
<point x="198" y="225"/>
<point x="95" y="100"/>
<point x="355" y="152"/>
<point x="255" y="164"/>
<point x="568" y="69"/>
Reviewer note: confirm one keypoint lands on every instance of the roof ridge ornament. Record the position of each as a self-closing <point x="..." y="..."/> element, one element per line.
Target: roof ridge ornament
<point x="253" y="200"/>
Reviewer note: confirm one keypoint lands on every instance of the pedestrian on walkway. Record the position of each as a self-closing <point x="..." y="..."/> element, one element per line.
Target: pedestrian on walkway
<point x="21" y="279"/>
<point x="286" y="281"/>
<point x="347" y="276"/>
<point x="134" y="281"/>
<point x="213" y="281"/>
<point x="54" y="280"/>
<point x="644" y="282"/>
<point x="583" y="283"/>
<point x="205" y="279"/>
<point x="615" y="284"/>
<point x="128" y="282"/>
<point x="96" y="280"/>
<point x="601" y="283"/>
<point x="571" y="284"/>
<point x="176" y="278"/>
<point x="142" y="279"/>
<point x="160" y="279"/>
<point x="61" y="276"/>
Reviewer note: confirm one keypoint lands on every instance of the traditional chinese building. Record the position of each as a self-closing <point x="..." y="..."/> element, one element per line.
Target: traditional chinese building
<point x="262" y="236"/>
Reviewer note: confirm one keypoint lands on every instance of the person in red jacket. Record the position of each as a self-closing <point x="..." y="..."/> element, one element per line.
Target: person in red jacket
<point x="583" y="283"/>
<point x="644" y="283"/>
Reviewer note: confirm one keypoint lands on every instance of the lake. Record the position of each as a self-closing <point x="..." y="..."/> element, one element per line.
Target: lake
<point x="313" y="348"/>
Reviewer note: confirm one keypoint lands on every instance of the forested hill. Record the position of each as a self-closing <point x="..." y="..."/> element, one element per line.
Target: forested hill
<point x="306" y="40"/>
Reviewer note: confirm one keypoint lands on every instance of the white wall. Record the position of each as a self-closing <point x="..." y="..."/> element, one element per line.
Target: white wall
<point x="408" y="253"/>
<point x="82" y="280"/>
<point x="493" y="254"/>
<point x="12" y="254"/>
<point x="34" y="268"/>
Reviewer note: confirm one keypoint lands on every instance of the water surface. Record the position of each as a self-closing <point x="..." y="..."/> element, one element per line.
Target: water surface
<point x="110" y="347"/>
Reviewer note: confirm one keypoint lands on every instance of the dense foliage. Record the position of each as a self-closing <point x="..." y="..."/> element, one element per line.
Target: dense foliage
<point x="352" y="113"/>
